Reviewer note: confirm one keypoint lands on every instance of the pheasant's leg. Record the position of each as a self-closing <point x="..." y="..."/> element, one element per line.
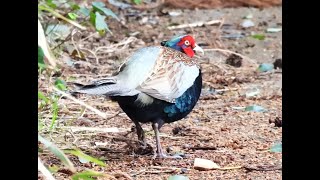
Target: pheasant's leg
<point x="140" y="133"/>
<point x="159" y="148"/>
<point x="160" y="152"/>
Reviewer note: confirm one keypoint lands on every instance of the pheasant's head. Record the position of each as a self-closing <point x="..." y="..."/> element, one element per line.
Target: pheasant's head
<point x="185" y="43"/>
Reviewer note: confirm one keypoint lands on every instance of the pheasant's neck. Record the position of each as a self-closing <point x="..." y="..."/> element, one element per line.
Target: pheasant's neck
<point x="176" y="47"/>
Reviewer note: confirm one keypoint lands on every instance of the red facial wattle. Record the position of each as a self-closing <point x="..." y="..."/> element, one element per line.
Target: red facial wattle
<point x="188" y="50"/>
<point x="187" y="43"/>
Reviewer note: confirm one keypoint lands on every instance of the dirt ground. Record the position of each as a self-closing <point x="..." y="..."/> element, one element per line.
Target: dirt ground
<point x="237" y="137"/>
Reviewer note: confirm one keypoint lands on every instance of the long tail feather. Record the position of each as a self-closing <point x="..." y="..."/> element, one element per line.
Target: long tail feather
<point x="106" y="87"/>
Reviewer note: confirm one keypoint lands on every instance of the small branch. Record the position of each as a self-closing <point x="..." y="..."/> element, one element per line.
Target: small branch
<point x="103" y="115"/>
<point x="168" y="168"/>
<point x="263" y="168"/>
<point x="106" y="130"/>
<point x="196" y="24"/>
<point x="159" y="172"/>
<point x="73" y="43"/>
<point x="202" y="148"/>
<point x="228" y="51"/>
<point x="95" y="56"/>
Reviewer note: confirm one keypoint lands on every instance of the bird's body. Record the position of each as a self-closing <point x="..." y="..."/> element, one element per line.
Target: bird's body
<point x="156" y="84"/>
<point x="160" y="111"/>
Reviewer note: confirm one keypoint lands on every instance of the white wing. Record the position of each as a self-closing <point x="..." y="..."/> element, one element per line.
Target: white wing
<point x="173" y="73"/>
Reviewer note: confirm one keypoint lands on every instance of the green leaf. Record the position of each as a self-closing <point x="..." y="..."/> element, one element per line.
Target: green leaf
<point x="86" y="175"/>
<point x="264" y="67"/>
<point x="93" y="18"/>
<point x="137" y="1"/>
<point x="100" y="6"/>
<point x="84" y="11"/>
<point x="43" y="66"/>
<point x="72" y="16"/>
<point x="56" y="151"/>
<point x="51" y="4"/>
<point x="53" y="168"/>
<point x="83" y="156"/>
<point x="276" y="148"/>
<point x="255" y="108"/>
<point x="74" y="6"/>
<point x="259" y="36"/>
<point x="178" y="177"/>
<point x="100" y="24"/>
<point x="43" y="97"/>
<point x="40" y="55"/>
<point x="57" y="31"/>
<point x="58" y="15"/>
<point x="60" y="84"/>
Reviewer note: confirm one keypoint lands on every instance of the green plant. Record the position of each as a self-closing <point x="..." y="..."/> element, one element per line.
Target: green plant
<point x="68" y="15"/>
<point x="77" y="15"/>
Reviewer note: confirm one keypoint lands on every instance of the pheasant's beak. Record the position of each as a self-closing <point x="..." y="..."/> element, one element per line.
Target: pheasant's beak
<point x="198" y="50"/>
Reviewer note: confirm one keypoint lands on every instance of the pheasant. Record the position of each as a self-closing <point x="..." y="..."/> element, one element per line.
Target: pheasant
<point x="156" y="84"/>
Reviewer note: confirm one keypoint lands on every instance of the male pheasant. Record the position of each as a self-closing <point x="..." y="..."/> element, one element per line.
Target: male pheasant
<point x="157" y="84"/>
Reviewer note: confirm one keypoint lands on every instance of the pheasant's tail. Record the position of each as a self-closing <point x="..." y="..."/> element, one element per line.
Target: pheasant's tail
<point x="106" y="87"/>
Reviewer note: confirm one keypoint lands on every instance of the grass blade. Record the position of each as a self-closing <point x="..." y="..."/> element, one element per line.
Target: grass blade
<point x="56" y="151"/>
<point x="84" y="156"/>
<point x="43" y="97"/>
<point x="54" y="113"/>
<point x="86" y="175"/>
<point x="53" y="12"/>
<point x="42" y="42"/>
<point x="44" y="170"/>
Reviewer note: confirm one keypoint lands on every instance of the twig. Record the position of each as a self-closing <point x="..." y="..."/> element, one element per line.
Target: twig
<point x="169" y="168"/>
<point x="196" y="24"/>
<point x="88" y="36"/>
<point x="228" y="51"/>
<point x="159" y="172"/>
<point x="97" y="59"/>
<point x="202" y="148"/>
<point x="73" y="43"/>
<point x="107" y="130"/>
<point x="103" y="115"/>
<point x="114" y="47"/>
<point x="261" y="168"/>
<point x="116" y="114"/>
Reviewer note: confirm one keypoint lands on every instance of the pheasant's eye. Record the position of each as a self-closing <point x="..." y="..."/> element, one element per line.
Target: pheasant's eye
<point x="186" y="42"/>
